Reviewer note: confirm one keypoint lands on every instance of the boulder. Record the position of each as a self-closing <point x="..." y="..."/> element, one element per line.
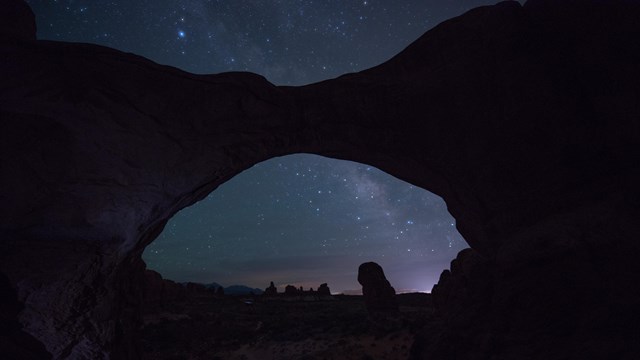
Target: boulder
<point x="195" y="288"/>
<point x="378" y="293"/>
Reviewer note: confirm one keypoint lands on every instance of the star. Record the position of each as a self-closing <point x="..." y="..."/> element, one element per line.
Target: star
<point x="290" y="43"/>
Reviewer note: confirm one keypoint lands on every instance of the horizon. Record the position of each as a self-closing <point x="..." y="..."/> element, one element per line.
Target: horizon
<point x="304" y="226"/>
<point x="281" y="288"/>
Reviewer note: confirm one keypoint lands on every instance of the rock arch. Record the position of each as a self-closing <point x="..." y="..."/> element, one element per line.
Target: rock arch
<point x="522" y="120"/>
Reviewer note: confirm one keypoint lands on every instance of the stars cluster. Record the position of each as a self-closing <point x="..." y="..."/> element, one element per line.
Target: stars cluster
<point x="304" y="209"/>
<point x="291" y="42"/>
<point x="300" y="219"/>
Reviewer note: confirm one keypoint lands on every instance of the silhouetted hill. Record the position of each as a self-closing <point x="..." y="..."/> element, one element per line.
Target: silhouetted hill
<point x="242" y="290"/>
<point x="235" y="289"/>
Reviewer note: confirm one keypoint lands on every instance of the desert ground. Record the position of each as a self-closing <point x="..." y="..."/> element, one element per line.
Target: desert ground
<point x="208" y="327"/>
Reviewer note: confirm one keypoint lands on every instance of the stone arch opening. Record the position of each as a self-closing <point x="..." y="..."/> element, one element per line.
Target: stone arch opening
<point x="304" y="219"/>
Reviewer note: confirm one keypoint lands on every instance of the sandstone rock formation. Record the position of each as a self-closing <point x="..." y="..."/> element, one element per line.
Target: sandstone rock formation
<point x="523" y="118"/>
<point x="271" y="290"/>
<point x="291" y="290"/>
<point x="15" y="343"/>
<point x="379" y="295"/>
<point x="159" y="292"/>
<point x="323" y="290"/>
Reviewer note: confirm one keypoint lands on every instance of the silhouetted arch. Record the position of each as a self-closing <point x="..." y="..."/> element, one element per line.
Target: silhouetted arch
<point x="524" y="119"/>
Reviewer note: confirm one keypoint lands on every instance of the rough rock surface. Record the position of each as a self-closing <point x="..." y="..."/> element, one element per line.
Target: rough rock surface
<point x="17" y="21"/>
<point x="378" y="293"/>
<point x="524" y="119"/>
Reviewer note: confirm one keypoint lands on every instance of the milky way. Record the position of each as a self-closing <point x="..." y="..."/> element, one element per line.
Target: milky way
<point x="305" y="220"/>
<point x="300" y="219"/>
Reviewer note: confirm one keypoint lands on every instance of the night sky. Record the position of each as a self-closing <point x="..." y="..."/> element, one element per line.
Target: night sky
<point x="300" y="219"/>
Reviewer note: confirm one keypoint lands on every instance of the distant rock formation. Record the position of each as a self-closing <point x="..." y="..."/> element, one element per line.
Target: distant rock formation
<point x="324" y="290"/>
<point x="379" y="296"/>
<point x="291" y="290"/>
<point x="193" y="288"/>
<point x="242" y="290"/>
<point x="271" y="290"/>
<point x="234" y="289"/>
<point x="292" y="293"/>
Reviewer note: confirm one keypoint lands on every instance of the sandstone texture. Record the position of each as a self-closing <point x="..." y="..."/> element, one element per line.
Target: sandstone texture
<point x="525" y="119"/>
<point x="158" y="292"/>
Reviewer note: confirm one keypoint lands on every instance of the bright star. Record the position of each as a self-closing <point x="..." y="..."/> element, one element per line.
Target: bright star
<point x="181" y="34"/>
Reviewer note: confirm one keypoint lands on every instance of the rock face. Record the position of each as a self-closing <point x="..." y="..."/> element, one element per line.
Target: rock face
<point x="379" y="295"/>
<point x="523" y="118"/>
<point x="15" y="343"/>
<point x="17" y="21"/>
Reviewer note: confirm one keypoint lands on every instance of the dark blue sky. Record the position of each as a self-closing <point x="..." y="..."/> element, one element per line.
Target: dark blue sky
<point x="300" y="219"/>
<point x="305" y="220"/>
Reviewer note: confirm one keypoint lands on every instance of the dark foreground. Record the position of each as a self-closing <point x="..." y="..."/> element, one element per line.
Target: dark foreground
<point x="227" y="328"/>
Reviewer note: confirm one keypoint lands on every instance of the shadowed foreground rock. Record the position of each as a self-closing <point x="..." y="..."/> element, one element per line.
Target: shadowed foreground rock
<point x="379" y="295"/>
<point x="159" y="292"/>
<point x="525" y="119"/>
<point x="14" y="342"/>
<point x="17" y="21"/>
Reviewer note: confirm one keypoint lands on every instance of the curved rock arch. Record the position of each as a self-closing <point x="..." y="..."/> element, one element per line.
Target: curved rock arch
<point x="532" y="144"/>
